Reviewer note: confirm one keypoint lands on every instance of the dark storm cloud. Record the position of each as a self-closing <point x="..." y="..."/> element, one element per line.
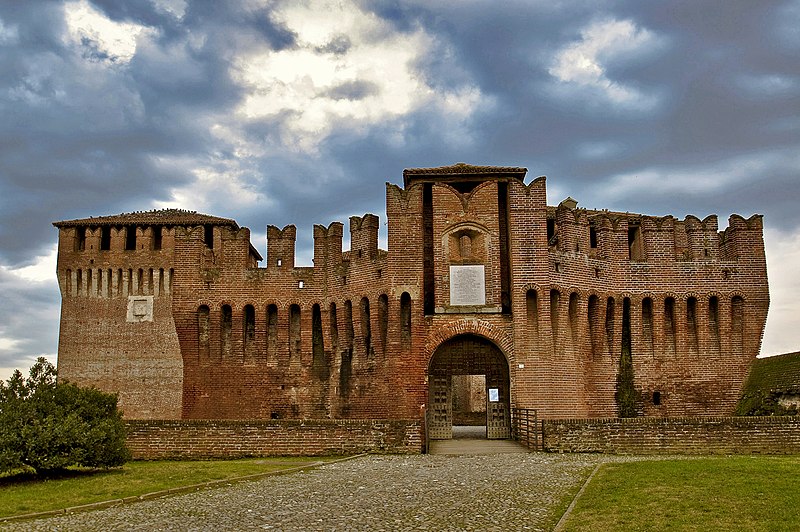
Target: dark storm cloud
<point x="702" y="59"/>
<point x="714" y="92"/>
<point x="354" y="90"/>
<point x="79" y="138"/>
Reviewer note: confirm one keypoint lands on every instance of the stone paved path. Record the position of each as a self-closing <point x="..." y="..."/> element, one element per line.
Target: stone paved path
<point x="422" y="492"/>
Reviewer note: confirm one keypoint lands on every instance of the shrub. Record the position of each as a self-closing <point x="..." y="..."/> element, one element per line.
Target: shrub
<point x="48" y="425"/>
<point x="762" y="403"/>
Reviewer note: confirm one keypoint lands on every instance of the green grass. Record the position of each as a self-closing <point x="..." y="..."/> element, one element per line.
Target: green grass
<point x="733" y="493"/>
<point x="26" y="493"/>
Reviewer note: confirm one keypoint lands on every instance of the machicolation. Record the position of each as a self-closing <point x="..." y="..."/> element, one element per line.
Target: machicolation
<point x="486" y="299"/>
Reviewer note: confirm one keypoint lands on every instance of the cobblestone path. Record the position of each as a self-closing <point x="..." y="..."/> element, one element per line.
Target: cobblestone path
<point x="424" y="492"/>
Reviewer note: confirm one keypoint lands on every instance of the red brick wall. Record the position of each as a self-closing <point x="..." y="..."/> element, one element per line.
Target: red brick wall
<point x="563" y="365"/>
<point x="708" y="435"/>
<point x="198" y="439"/>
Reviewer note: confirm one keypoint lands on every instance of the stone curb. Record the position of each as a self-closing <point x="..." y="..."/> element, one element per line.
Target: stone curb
<point x="172" y="491"/>
<point x="563" y="521"/>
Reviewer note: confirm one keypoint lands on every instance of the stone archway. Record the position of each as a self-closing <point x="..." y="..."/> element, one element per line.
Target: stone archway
<point x="468" y="354"/>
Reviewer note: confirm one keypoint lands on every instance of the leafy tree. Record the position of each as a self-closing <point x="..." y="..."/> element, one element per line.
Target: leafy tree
<point x="48" y="425"/>
<point x="625" y="394"/>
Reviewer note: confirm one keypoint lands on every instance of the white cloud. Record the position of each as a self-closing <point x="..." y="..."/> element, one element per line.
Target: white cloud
<point x="89" y="27"/>
<point x="42" y="270"/>
<point x="8" y="34"/>
<point x="782" y="334"/>
<point x="582" y="64"/>
<point x="226" y="183"/>
<point x="704" y="178"/>
<point x="362" y="79"/>
<point x="766" y="86"/>
<point x="176" y="8"/>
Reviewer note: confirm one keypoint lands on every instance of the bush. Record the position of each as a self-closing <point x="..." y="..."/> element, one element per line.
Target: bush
<point x="48" y="425"/>
<point x="762" y="403"/>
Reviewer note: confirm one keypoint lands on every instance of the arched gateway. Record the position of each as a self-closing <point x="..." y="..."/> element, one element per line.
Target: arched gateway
<point x="468" y="355"/>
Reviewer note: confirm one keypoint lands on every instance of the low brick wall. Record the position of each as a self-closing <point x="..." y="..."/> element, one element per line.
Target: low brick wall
<point x="197" y="439"/>
<point x="717" y="435"/>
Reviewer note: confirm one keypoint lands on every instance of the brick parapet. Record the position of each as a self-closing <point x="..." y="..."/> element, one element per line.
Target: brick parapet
<point x="687" y="435"/>
<point x="204" y="439"/>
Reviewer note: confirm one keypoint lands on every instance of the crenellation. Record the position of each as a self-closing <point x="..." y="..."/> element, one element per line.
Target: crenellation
<point x="480" y="277"/>
<point x="281" y="247"/>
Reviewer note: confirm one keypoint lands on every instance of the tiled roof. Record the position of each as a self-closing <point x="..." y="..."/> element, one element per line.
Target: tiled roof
<point x="462" y="170"/>
<point x="156" y="217"/>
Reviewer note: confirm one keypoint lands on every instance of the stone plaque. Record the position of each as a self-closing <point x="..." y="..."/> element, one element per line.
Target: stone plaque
<point x="140" y="308"/>
<point x="467" y="285"/>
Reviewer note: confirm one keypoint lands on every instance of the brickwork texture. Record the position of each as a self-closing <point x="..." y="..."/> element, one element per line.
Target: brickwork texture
<point x="180" y="315"/>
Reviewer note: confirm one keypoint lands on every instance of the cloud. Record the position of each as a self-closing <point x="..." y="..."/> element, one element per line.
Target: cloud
<point x="29" y="315"/>
<point x="277" y="112"/>
<point x="584" y="64"/>
<point x="103" y="39"/>
<point x="783" y="256"/>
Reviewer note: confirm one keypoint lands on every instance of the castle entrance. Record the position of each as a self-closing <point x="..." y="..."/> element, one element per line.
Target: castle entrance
<point x="458" y="364"/>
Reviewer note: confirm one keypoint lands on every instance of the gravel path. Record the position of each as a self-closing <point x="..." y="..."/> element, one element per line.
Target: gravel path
<point x="421" y="492"/>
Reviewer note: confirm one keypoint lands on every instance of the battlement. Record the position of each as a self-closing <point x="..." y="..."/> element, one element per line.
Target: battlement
<point x="481" y="277"/>
<point x="650" y="239"/>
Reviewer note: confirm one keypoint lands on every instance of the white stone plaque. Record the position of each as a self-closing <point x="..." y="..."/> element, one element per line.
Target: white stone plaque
<point x="140" y="308"/>
<point x="467" y="285"/>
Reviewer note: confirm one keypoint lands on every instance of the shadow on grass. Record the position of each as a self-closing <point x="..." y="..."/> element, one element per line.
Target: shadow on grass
<point x="30" y="476"/>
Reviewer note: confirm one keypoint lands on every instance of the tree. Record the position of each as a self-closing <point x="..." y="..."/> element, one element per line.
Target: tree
<point x="48" y="425"/>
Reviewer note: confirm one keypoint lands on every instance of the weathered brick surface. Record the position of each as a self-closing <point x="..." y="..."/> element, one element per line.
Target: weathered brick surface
<point x="707" y="435"/>
<point x="198" y="439"/>
<point x="353" y="336"/>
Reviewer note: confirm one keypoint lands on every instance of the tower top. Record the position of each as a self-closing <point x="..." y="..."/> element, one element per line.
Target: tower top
<point x="155" y="217"/>
<point x="462" y="172"/>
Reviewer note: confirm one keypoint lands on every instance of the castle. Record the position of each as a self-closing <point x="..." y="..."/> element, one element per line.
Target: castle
<point x="486" y="299"/>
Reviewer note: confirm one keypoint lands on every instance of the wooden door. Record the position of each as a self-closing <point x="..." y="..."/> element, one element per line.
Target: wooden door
<point x="440" y="420"/>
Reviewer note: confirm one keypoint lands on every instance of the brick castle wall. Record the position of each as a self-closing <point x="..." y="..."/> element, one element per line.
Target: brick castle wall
<point x="204" y="439"/>
<point x="708" y="435"/>
<point x="171" y="310"/>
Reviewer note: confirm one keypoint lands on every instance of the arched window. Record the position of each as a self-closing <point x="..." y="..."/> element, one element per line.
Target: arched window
<point x="405" y="317"/>
<point x="593" y="317"/>
<point x="349" y="333"/>
<point x="383" y="320"/>
<point x="573" y="317"/>
<point x="366" y="327"/>
<point x="737" y="325"/>
<point x="669" y="326"/>
<point x="532" y="317"/>
<point x="713" y="322"/>
<point x="555" y="299"/>
<point x="334" y="326"/>
<point x="272" y="332"/>
<point x="202" y="332"/>
<point x="226" y="325"/>
<point x="610" y="318"/>
<point x="647" y="324"/>
<point x="249" y="331"/>
<point x="318" y="361"/>
<point x="295" y="342"/>
<point x="691" y="325"/>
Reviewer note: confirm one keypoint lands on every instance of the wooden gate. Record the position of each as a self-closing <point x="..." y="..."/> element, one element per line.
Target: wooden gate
<point x="440" y="423"/>
<point x="468" y="355"/>
<point x="498" y="420"/>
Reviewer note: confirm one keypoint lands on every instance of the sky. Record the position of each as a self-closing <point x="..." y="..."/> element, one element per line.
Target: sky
<point x="279" y="112"/>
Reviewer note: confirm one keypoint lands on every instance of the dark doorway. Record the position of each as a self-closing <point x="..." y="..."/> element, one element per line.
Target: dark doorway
<point x="457" y="368"/>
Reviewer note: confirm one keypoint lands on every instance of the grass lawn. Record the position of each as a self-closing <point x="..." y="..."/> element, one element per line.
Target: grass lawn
<point x="725" y="493"/>
<point x="26" y="493"/>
